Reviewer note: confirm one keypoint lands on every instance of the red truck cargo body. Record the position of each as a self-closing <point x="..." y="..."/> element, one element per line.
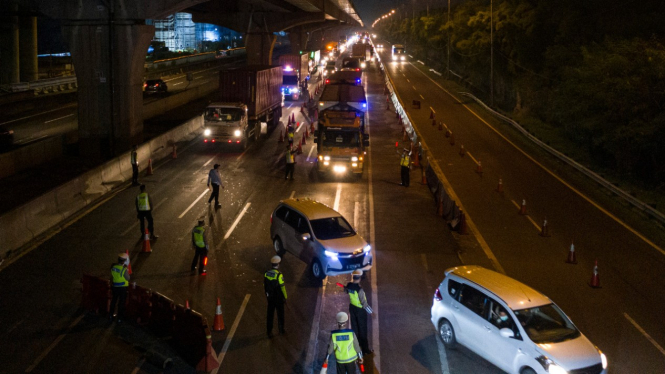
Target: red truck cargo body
<point x="258" y="87"/>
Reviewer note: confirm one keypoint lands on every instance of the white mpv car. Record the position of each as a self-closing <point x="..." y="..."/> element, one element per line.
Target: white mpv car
<point x="510" y="324"/>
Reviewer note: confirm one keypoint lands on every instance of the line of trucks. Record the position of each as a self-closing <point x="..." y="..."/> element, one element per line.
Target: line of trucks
<point x="251" y="100"/>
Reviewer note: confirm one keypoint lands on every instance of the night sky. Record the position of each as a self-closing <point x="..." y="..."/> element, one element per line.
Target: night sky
<point x="370" y="10"/>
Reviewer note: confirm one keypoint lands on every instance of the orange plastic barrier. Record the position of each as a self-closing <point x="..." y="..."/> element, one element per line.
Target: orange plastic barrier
<point x="139" y="305"/>
<point x="96" y="294"/>
<point x="162" y="314"/>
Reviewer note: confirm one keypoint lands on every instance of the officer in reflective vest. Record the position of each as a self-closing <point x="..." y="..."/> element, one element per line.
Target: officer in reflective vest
<point x="358" y="310"/>
<point x="144" y="211"/>
<point x="119" y="284"/>
<point x="344" y="344"/>
<point x="135" y="166"/>
<point x="405" y="163"/>
<point x="273" y="283"/>
<point x="290" y="134"/>
<point x="200" y="243"/>
<point x="290" y="161"/>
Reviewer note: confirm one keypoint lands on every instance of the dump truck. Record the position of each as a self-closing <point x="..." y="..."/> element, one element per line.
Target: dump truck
<point x="345" y="77"/>
<point x="341" y="141"/>
<point x="295" y="71"/>
<point x="343" y="93"/>
<point x="250" y="101"/>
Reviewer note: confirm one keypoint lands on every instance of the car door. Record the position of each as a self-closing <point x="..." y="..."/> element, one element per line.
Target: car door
<point x="469" y="312"/>
<point x="306" y="246"/>
<point x="501" y="351"/>
<point x="293" y="238"/>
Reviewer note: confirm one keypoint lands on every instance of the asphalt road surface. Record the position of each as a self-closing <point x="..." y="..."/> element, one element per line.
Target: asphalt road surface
<point x="42" y="329"/>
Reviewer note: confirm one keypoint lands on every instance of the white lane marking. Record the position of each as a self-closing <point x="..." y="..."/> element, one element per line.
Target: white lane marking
<point x="356" y="208"/>
<point x="227" y="342"/>
<point x="293" y="193"/>
<point x="314" y="332"/>
<point x="443" y="358"/>
<point x="175" y="84"/>
<point x="414" y="88"/>
<point x="192" y="204"/>
<point x="430" y="108"/>
<point x="242" y="154"/>
<point x="235" y="223"/>
<point x="373" y="274"/>
<point x="37" y="114"/>
<point x="407" y="79"/>
<point x="209" y="161"/>
<point x="138" y="366"/>
<point x="548" y="171"/>
<point x="309" y="155"/>
<point x="53" y="120"/>
<point x="136" y="223"/>
<point x="338" y="194"/>
<point x="288" y="106"/>
<point x="472" y="158"/>
<point x="54" y="344"/>
<point x="641" y="330"/>
<point x="422" y="97"/>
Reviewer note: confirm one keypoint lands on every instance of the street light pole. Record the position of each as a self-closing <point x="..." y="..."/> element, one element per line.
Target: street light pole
<point x="491" y="53"/>
<point x="448" y="46"/>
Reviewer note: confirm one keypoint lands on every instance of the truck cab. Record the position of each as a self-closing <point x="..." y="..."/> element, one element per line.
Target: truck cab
<point x="290" y="83"/>
<point x="398" y="53"/>
<point x="341" y="141"/>
<point x="225" y="123"/>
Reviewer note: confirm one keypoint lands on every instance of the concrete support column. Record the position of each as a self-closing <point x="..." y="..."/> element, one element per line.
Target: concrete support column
<point x="298" y="40"/>
<point x="259" y="46"/>
<point x="28" y="49"/>
<point x="110" y="109"/>
<point x="9" y="50"/>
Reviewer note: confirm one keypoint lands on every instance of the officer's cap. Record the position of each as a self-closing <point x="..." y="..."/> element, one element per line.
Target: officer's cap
<point x="123" y="256"/>
<point x="201" y="222"/>
<point x="275" y="260"/>
<point x="342" y="317"/>
<point x="357" y="273"/>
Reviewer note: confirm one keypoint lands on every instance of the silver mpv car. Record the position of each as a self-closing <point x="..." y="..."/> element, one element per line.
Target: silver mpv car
<point x="320" y="236"/>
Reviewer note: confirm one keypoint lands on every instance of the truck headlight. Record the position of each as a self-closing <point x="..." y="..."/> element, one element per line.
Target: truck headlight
<point x="339" y="168"/>
<point x="294" y="90"/>
<point x="354" y="158"/>
<point x="363" y="65"/>
<point x="206" y="132"/>
<point x="326" y="158"/>
<point x="403" y="58"/>
<point x="237" y="133"/>
<point x="394" y="57"/>
<point x="330" y="254"/>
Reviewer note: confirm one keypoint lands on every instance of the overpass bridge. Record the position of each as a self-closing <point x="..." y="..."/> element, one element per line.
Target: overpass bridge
<point x="108" y="40"/>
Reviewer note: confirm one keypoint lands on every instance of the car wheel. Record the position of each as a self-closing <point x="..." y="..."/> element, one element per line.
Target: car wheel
<point x="279" y="248"/>
<point x="527" y="371"/>
<point x="317" y="270"/>
<point x="447" y="334"/>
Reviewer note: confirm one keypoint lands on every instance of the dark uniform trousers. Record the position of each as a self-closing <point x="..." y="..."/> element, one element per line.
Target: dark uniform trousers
<point x="405" y="176"/>
<point x="199" y="256"/>
<point x="147" y="215"/>
<point x="359" y="326"/>
<point x="275" y="302"/>
<point x="347" y="368"/>
<point x="119" y="297"/>
<point x="214" y="194"/>
<point x="135" y="173"/>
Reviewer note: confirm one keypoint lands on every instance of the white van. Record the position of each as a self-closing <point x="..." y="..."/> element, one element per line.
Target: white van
<point x="510" y="324"/>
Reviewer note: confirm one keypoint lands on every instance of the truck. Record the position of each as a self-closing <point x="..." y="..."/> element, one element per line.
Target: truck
<point x="359" y="51"/>
<point x="250" y="101"/>
<point x="345" y="77"/>
<point x="398" y="52"/>
<point x="295" y="69"/>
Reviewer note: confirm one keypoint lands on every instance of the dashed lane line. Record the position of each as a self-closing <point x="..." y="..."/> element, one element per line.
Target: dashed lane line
<point x="422" y="97"/>
<point x="309" y="155"/>
<point x="59" y="118"/>
<point x="338" y="195"/>
<point x="227" y="342"/>
<point x="293" y="193"/>
<point x="235" y="223"/>
<point x="641" y="330"/>
<point x="54" y="344"/>
<point x="194" y="203"/>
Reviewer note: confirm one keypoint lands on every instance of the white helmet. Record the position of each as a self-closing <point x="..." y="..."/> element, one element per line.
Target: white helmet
<point x="123" y="256"/>
<point x="275" y="260"/>
<point x="342" y="317"/>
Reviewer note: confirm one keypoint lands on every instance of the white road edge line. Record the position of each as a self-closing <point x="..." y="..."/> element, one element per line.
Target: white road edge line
<point x="314" y="332"/>
<point x="293" y="193"/>
<point x="55" y="343"/>
<point x="641" y="330"/>
<point x="227" y="342"/>
<point x="338" y="195"/>
<point x="372" y="238"/>
<point x="235" y="223"/>
<point x="53" y="120"/>
<point x="192" y="204"/>
<point x="309" y="155"/>
<point x="443" y="358"/>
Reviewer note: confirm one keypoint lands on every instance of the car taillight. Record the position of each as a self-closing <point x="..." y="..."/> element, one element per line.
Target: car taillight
<point x="437" y="295"/>
<point x="327" y="81"/>
<point x="357" y="69"/>
<point x="271" y="218"/>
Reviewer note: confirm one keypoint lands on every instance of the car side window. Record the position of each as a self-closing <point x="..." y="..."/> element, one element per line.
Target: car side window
<point x="293" y="219"/>
<point x="281" y="213"/>
<point x="500" y="318"/>
<point x="454" y="288"/>
<point x="303" y="226"/>
<point x="473" y="299"/>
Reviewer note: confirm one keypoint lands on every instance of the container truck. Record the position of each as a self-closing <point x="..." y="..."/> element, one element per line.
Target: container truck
<point x="341" y="141"/>
<point x="250" y="101"/>
<point x="295" y="69"/>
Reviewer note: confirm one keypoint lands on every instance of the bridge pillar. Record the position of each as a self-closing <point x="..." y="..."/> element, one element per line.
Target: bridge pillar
<point x="9" y="46"/>
<point x="28" y="49"/>
<point x="110" y="80"/>
<point x="259" y="46"/>
<point x="298" y="39"/>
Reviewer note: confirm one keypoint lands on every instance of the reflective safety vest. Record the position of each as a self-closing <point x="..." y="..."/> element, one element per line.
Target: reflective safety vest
<point x="353" y="289"/>
<point x="198" y="236"/>
<point x="289" y="157"/>
<point x="273" y="282"/>
<point x="134" y="161"/>
<point x="118" y="275"/>
<point x="405" y="160"/>
<point x="144" y="203"/>
<point x="345" y="352"/>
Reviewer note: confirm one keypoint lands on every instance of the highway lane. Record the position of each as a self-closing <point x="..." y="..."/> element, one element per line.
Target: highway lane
<point x="618" y="317"/>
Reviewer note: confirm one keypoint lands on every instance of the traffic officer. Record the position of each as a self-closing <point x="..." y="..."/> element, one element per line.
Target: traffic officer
<point x="344" y="344"/>
<point x="273" y="283"/>
<point x="358" y="310"/>
<point x="405" y="163"/>
<point x="290" y="133"/>
<point x="200" y="243"/>
<point x="135" y="166"/>
<point x="290" y="161"/>
<point x="119" y="284"/>
<point x="144" y="211"/>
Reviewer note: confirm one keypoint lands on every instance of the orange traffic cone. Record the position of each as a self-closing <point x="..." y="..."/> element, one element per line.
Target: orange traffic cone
<point x="572" y="259"/>
<point x="281" y="136"/>
<point x="462" y="152"/>
<point x="304" y="140"/>
<point x="149" y="171"/>
<point x="544" y="232"/>
<point x="293" y="118"/>
<point x="175" y="154"/>
<point x="187" y="305"/>
<point x="433" y="122"/>
<point x="218" y="323"/>
<point x="403" y="133"/>
<point x="499" y="188"/>
<point x="129" y="264"/>
<point x="306" y="132"/>
<point x="595" y="279"/>
<point x="324" y="368"/>
<point x="463" y="229"/>
<point x="311" y="128"/>
<point x="424" y="181"/>
<point x="447" y="130"/>
<point x="523" y="208"/>
<point x="441" y="128"/>
<point x="146" y="242"/>
<point x="452" y="138"/>
<point x="416" y="156"/>
<point x="431" y="114"/>
<point x="479" y="168"/>
<point x="302" y="108"/>
<point x="300" y="147"/>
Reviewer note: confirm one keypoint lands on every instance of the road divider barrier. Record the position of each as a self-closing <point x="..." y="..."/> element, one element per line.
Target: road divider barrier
<point x="95" y="294"/>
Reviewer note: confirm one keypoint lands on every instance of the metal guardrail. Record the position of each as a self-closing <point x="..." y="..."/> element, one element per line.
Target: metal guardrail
<point x="47" y="85"/>
<point x="643" y="207"/>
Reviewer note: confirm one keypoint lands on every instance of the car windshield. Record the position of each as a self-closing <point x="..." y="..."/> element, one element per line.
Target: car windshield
<point x="350" y="63"/>
<point x="339" y="139"/>
<point x="223" y="114"/>
<point x="290" y="79"/>
<point x="546" y="324"/>
<point x="331" y="228"/>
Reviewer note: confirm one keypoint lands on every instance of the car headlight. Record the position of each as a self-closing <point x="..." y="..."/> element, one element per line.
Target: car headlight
<point x="206" y="132"/>
<point x="326" y="158"/>
<point x="354" y="158"/>
<point x="325" y="72"/>
<point x="363" y="65"/>
<point x="394" y="57"/>
<point x="403" y="58"/>
<point x="550" y="366"/>
<point x="603" y="358"/>
<point x="331" y="254"/>
<point x="237" y="133"/>
<point x="367" y="248"/>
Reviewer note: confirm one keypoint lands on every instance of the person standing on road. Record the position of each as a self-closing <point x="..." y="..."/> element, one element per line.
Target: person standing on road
<point x="344" y="344"/>
<point x="200" y="243"/>
<point x="358" y="310"/>
<point x="273" y="283"/>
<point x="135" y="166"/>
<point x="290" y="161"/>
<point x="216" y="180"/>
<point x="405" y="164"/>
<point x="119" y="284"/>
<point x="144" y="210"/>
<point x="290" y="133"/>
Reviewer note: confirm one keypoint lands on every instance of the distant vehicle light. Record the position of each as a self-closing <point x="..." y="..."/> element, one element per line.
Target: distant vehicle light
<point x="327" y="81"/>
<point x="354" y="165"/>
<point x="357" y="69"/>
<point x="403" y="58"/>
<point x="206" y="132"/>
<point x="364" y="105"/>
<point x="326" y="163"/>
<point x="237" y="133"/>
<point x="294" y="90"/>
<point x="339" y="168"/>
<point x="288" y="68"/>
<point x="354" y="159"/>
<point x="326" y="158"/>
<point x="394" y="58"/>
<point x="363" y="65"/>
<point x="357" y="80"/>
